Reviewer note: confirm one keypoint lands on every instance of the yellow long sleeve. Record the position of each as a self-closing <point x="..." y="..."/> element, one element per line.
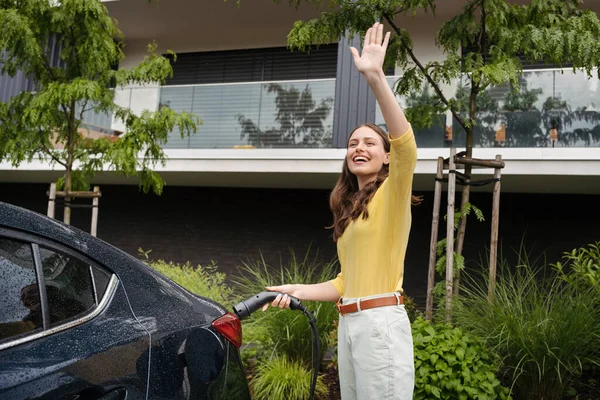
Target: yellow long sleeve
<point x="371" y="251"/>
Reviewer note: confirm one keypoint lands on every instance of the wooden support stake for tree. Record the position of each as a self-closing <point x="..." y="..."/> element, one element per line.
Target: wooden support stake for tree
<point x="94" y="195"/>
<point x="52" y="200"/>
<point x="67" y="210"/>
<point x="95" y="201"/>
<point x="81" y="194"/>
<point x="494" y="237"/>
<point x="450" y="234"/>
<point x="476" y="162"/>
<point x="434" y="237"/>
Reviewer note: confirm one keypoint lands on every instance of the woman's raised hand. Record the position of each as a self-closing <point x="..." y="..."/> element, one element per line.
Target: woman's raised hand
<point x="373" y="52"/>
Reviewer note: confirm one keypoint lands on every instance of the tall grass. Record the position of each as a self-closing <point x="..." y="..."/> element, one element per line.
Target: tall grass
<point x="543" y="328"/>
<point x="287" y="332"/>
<point x="284" y="379"/>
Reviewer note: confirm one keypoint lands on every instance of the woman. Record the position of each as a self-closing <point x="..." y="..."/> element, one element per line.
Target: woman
<point x="371" y="206"/>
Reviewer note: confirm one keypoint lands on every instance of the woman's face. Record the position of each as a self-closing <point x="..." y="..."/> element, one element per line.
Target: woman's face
<point x="365" y="154"/>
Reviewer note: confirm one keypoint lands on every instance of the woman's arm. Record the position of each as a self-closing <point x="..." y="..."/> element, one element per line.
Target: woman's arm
<point x="324" y="291"/>
<point x="370" y="64"/>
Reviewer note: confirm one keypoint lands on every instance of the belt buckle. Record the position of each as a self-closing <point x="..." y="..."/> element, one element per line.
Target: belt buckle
<point x="338" y="305"/>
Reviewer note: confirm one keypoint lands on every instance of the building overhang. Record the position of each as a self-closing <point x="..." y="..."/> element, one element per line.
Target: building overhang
<point x="531" y="170"/>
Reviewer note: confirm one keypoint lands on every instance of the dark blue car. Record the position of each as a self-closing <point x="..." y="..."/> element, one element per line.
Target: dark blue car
<point x="81" y="319"/>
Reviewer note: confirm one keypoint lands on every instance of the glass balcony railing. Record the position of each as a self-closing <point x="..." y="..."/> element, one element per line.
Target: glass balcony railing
<point x="553" y="108"/>
<point x="101" y="120"/>
<point x="287" y="114"/>
<point x="97" y="121"/>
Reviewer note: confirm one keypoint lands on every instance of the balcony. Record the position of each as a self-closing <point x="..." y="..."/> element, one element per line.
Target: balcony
<point x="287" y="114"/>
<point x="275" y="120"/>
<point x="554" y="108"/>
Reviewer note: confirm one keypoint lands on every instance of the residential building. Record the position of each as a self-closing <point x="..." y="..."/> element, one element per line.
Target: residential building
<point x="257" y="174"/>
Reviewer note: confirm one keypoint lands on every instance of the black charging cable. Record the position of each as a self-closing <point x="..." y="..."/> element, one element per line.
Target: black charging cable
<point x="247" y="307"/>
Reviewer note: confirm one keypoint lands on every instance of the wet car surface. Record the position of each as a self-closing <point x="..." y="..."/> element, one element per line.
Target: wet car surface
<point x="81" y="319"/>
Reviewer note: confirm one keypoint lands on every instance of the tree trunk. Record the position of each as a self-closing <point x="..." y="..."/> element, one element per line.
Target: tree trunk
<point x="70" y="144"/>
<point x="462" y="228"/>
<point x="466" y="190"/>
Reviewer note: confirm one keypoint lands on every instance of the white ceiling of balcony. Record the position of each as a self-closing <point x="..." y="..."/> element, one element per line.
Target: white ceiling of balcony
<point x="192" y="25"/>
<point x="203" y="25"/>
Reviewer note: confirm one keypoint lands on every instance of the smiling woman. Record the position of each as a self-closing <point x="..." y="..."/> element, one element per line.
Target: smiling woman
<point x="372" y="217"/>
<point x="367" y="154"/>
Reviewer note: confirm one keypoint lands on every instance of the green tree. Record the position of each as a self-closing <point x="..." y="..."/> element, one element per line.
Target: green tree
<point x="486" y="115"/>
<point x="39" y="123"/>
<point x="495" y="32"/>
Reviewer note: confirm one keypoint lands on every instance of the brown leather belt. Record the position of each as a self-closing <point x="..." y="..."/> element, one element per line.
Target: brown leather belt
<point x="360" y="305"/>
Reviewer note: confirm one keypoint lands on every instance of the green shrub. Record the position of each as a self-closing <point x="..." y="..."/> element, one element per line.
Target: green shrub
<point x="411" y="308"/>
<point x="282" y="379"/>
<point x="543" y="328"/>
<point x="286" y="332"/>
<point x="451" y="365"/>
<point x="203" y="281"/>
<point x="581" y="266"/>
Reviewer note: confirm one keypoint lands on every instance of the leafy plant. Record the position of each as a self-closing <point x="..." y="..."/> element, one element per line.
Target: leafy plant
<point x="284" y="379"/>
<point x="287" y="332"/>
<point x="422" y="106"/>
<point x="452" y="365"/>
<point x="544" y="329"/>
<point x="483" y="44"/>
<point x="581" y="265"/>
<point x="201" y="280"/>
<point x="581" y="268"/>
<point x="48" y="123"/>
<point x="411" y="308"/>
<point x="458" y="261"/>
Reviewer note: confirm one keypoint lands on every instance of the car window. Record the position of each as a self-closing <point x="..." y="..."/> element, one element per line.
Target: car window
<point x="69" y="285"/>
<point x="20" y="306"/>
<point x="101" y="279"/>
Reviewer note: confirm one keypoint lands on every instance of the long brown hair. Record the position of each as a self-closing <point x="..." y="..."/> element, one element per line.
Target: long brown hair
<point x="347" y="203"/>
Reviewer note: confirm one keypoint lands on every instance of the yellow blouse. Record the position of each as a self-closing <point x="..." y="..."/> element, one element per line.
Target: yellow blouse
<point x="371" y="251"/>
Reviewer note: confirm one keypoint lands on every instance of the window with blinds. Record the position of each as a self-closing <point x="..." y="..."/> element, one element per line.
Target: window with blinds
<point x="254" y="65"/>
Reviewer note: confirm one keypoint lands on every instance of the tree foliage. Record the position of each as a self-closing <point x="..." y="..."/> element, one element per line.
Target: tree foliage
<point x="89" y="48"/>
<point x="483" y="46"/>
<point x="499" y="33"/>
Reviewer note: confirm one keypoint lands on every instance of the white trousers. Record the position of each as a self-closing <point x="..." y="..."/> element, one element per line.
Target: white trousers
<point x="375" y="354"/>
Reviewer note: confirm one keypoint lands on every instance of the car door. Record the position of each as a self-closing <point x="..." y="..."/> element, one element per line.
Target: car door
<point x="67" y="330"/>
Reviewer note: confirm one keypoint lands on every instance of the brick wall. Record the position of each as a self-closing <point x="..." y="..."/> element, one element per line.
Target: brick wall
<point x="231" y="224"/>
